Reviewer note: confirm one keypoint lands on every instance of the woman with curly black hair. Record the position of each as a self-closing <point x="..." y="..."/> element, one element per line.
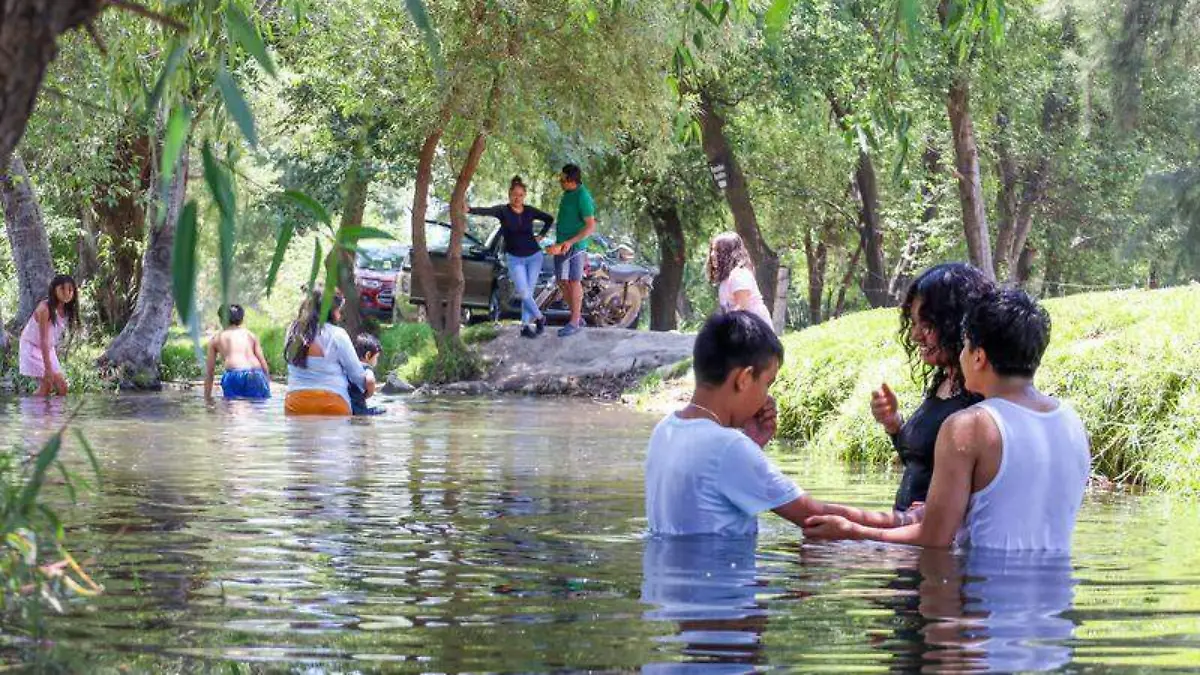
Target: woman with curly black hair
<point x="931" y="319"/>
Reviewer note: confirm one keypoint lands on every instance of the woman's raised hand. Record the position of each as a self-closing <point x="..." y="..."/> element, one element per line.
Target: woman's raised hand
<point x="885" y="409"/>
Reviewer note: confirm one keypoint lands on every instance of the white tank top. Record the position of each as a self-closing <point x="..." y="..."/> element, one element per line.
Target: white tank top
<point x="1032" y="502"/>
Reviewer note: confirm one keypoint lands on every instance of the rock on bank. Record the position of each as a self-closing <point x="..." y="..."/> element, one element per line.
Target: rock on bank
<point x="596" y="361"/>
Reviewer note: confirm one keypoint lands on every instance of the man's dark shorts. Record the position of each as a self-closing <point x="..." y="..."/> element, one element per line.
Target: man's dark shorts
<point x="569" y="267"/>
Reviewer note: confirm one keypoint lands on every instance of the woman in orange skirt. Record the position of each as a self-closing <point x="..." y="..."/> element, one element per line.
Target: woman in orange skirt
<point x="321" y="361"/>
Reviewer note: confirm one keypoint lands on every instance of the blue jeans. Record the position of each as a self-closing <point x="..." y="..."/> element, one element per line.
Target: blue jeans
<point x="524" y="274"/>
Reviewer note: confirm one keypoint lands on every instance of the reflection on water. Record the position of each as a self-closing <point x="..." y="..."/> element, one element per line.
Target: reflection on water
<point x="508" y="535"/>
<point x="708" y="586"/>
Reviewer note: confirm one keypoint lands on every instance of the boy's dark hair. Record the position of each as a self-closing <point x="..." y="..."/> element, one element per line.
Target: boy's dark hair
<point x="1011" y="328"/>
<point x="232" y="315"/>
<point x="573" y="173"/>
<point x="732" y="340"/>
<point x="365" y="343"/>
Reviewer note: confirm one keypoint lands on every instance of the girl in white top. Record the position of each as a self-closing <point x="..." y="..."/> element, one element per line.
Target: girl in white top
<point x="730" y="268"/>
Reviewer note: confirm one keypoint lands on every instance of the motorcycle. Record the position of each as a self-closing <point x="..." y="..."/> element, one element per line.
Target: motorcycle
<point x="613" y="293"/>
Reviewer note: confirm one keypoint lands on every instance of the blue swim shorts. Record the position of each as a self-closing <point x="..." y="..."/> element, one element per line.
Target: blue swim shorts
<point x="245" y="383"/>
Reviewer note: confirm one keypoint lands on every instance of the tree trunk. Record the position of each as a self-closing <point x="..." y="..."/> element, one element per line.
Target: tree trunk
<point x="970" y="183"/>
<point x="422" y="264"/>
<point x="684" y="306"/>
<point x="120" y="209"/>
<point x="875" y="277"/>
<point x="87" y="253"/>
<point x="726" y="170"/>
<point x="358" y="181"/>
<point x="1007" y="200"/>
<point x="452" y="318"/>
<point x="27" y="236"/>
<point x="1024" y="267"/>
<point x="664" y="296"/>
<point x="458" y="221"/>
<point x="817" y="257"/>
<point x="875" y="280"/>
<point x="901" y="274"/>
<point x="29" y="31"/>
<point x="779" y="311"/>
<point x="1035" y="189"/>
<point x="899" y="283"/>
<point x="137" y="350"/>
<point x="847" y="278"/>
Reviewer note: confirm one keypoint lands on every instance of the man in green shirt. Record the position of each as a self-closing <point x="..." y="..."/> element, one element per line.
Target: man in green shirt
<point x="575" y="223"/>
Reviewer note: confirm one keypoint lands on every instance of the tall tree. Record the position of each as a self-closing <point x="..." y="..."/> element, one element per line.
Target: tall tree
<point x="969" y="27"/>
<point x="730" y="177"/>
<point x="672" y="251"/>
<point x="508" y="61"/>
<point x="29" y="31"/>
<point x="137" y="349"/>
<point x="27" y="237"/>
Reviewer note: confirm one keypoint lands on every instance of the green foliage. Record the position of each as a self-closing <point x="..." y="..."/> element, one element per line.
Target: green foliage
<point x="183" y="262"/>
<point x="271" y="337"/>
<point x="413" y="352"/>
<point x="35" y="568"/>
<point x="480" y="333"/>
<point x="178" y="362"/>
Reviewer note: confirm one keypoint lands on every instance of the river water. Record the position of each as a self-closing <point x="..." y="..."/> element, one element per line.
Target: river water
<point x="506" y="535"/>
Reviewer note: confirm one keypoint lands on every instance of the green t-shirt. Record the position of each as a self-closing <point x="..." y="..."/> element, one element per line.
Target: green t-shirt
<point x="574" y="207"/>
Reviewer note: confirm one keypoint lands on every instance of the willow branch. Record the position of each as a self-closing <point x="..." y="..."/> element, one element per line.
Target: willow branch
<point x="157" y="17"/>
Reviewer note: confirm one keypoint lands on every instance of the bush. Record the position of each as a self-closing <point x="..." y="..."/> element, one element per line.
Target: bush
<point x="411" y="351"/>
<point x="179" y="359"/>
<point x="271" y="336"/>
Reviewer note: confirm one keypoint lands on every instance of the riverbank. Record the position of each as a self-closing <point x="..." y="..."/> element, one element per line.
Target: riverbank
<point x="1128" y="361"/>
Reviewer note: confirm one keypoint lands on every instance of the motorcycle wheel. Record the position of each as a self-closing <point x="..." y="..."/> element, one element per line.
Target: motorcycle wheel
<point x="625" y="317"/>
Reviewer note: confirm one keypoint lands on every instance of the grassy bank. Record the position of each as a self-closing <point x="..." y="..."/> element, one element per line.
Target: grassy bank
<point x="1128" y="361"/>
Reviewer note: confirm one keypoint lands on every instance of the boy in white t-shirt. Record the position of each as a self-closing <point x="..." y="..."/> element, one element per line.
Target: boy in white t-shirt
<point x="705" y="469"/>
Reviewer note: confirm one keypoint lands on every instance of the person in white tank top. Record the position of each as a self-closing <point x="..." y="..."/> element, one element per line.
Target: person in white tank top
<point x="1010" y="472"/>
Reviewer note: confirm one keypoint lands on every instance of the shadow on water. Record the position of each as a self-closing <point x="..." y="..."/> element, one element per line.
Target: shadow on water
<point x="508" y="535"/>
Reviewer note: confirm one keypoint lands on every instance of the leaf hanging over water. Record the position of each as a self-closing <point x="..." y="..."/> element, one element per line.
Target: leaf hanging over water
<point x="183" y="262"/>
<point x="242" y="30"/>
<point x="281" y="246"/>
<point x="420" y="16"/>
<point x="235" y="103"/>
<point x="176" y="135"/>
<point x="316" y="266"/>
<point x="308" y="204"/>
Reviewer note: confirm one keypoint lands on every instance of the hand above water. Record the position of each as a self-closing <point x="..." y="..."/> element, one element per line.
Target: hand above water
<point x="885" y="409"/>
<point x="828" y="528"/>
<point x="762" y="427"/>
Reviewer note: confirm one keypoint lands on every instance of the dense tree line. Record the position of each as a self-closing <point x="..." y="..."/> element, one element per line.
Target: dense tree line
<point x="173" y="155"/>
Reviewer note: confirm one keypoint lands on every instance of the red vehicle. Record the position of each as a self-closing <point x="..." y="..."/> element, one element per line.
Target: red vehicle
<point x="375" y="273"/>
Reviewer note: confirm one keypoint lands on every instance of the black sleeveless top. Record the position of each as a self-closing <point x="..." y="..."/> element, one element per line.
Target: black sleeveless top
<point x="915" y="442"/>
